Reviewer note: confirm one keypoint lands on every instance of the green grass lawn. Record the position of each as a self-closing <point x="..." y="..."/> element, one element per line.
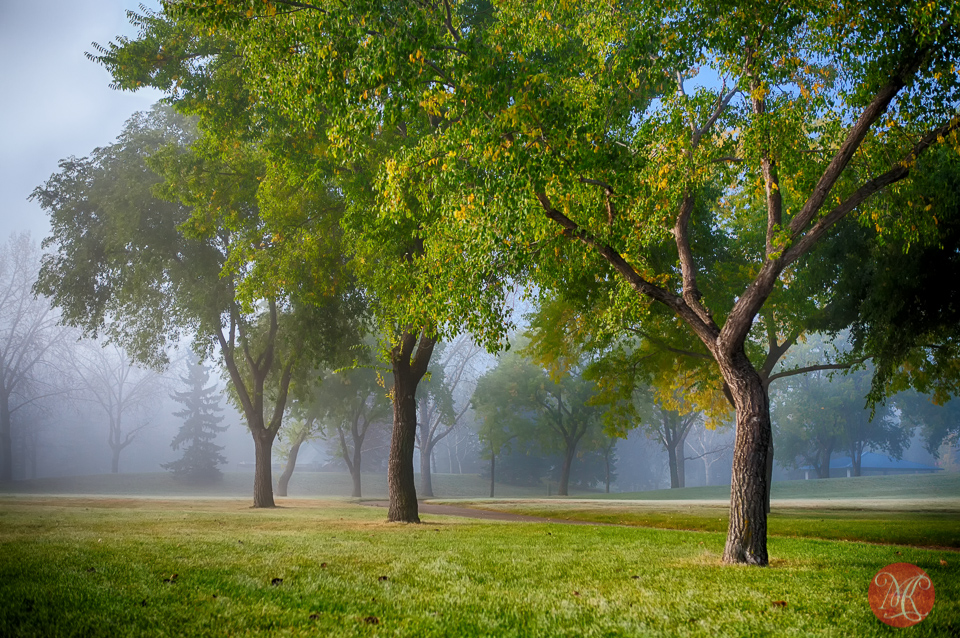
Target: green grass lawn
<point x="898" y="525"/>
<point x="104" y="567"/>
<point x="904" y="486"/>
<point x="240" y="484"/>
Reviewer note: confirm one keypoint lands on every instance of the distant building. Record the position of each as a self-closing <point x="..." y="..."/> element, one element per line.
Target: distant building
<point x="871" y="464"/>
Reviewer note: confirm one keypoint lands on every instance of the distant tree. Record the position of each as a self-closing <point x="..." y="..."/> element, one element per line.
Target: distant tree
<point x="110" y="378"/>
<point x="938" y="424"/>
<point x="351" y="403"/>
<point x="708" y="446"/>
<point x="299" y="429"/>
<point x="439" y="411"/>
<point x="817" y="415"/>
<point x="201" y="403"/>
<point x="520" y="399"/>
<point x="29" y="336"/>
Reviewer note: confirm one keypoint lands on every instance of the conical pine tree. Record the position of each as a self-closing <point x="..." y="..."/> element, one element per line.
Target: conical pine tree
<point x="200" y="427"/>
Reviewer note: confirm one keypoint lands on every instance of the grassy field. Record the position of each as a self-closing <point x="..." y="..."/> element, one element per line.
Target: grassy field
<point x="897" y="523"/>
<point x="920" y="510"/>
<point x="74" y="566"/>
<point x="334" y="484"/>
<point x="240" y="484"/>
<point x="909" y="486"/>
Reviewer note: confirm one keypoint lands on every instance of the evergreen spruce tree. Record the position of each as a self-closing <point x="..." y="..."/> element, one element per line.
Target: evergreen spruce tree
<point x="200" y="427"/>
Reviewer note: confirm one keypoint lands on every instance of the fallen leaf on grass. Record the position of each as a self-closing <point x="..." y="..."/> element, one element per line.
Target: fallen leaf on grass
<point x="314" y="616"/>
<point x="276" y="582"/>
<point x="382" y="578"/>
<point x="323" y="565"/>
<point x="943" y="562"/>
<point x="779" y="603"/>
<point x="576" y="593"/>
<point x="372" y="620"/>
<point x="91" y="569"/>
<point x="635" y="577"/>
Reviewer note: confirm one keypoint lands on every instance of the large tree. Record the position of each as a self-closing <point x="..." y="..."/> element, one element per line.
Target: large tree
<point x="148" y="270"/>
<point x="205" y="72"/>
<point x="597" y="138"/>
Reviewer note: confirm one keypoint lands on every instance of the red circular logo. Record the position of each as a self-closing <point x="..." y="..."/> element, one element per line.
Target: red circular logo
<point x="901" y="594"/>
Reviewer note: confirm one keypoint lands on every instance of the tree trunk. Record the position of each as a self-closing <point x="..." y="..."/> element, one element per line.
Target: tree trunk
<point x="426" y="478"/>
<point x="747" y="532"/>
<point x="823" y="462"/>
<point x="400" y="480"/>
<point x="115" y="460"/>
<point x="263" y="473"/>
<point x="606" y="462"/>
<point x="284" y="479"/>
<point x="674" y="471"/>
<point x="493" y="471"/>
<point x="856" y="459"/>
<point x="6" y="441"/>
<point x="355" y="468"/>
<point x="564" y="484"/>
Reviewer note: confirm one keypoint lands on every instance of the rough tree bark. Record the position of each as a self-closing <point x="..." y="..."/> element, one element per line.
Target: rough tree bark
<point x="263" y="470"/>
<point x="409" y="359"/>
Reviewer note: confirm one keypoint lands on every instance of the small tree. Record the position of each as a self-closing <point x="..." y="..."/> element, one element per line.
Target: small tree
<point x="200" y="427"/>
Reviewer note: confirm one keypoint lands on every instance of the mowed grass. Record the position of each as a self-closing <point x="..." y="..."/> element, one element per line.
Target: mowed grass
<point x="104" y="567"/>
<point x="896" y="523"/>
<point x="920" y="510"/>
<point x="940" y="485"/>
<point x="240" y="484"/>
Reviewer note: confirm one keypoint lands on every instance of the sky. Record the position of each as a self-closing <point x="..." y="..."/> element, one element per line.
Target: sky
<point x="54" y="102"/>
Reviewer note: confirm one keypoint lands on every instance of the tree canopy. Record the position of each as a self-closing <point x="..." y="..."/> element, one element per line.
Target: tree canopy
<point x="549" y="142"/>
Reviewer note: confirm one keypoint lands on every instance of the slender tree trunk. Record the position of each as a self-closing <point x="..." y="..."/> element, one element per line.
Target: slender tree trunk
<point x="115" y="460"/>
<point x="263" y="472"/>
<point x="355" y="468"/>
<point x="284" y="479"/>
<point x="606" y="462"/>
<point x="562" y="488"/>
<point x="747" y="532"/>
<point x="400" y="480"/>
<point x="6" y="440"/>
<point x="426" y="478"/>
<point x="493" y="472"/>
